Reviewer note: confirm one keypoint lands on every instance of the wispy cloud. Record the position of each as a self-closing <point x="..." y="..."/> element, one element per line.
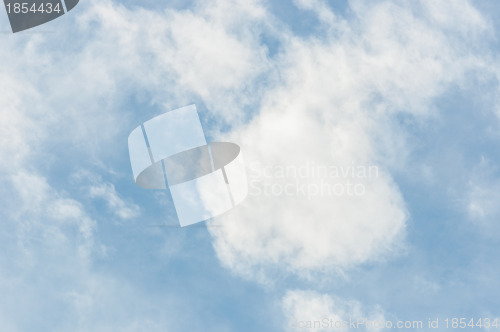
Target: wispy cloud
<point x="313" y="311"/>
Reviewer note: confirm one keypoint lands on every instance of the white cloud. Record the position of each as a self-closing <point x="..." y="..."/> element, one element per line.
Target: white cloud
<point x="64" y="107"/>
<point x="15" y="125"/>
<point x="121" y="208"/>
<point x="180" y="55"/>
<point x="95" y="188"/>
<point x="482" y="195"/>
<point x="312" y="311"/>
<point x="335" y="106"/>
<point x="328" y="100"/>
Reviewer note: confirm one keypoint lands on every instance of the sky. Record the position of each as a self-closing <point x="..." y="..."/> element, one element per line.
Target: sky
<point x="411" y="89"/>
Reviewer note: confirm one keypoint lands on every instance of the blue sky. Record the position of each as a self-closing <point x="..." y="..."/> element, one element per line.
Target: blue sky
<point x="410" y="88"/>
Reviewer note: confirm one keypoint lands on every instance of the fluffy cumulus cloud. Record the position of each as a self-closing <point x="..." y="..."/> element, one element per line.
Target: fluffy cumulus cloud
<point x="313" y="311"/>
<point x="334" y="107"/>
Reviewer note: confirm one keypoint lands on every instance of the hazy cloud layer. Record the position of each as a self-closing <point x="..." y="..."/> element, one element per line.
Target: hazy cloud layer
<point x="331" y="98"/>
